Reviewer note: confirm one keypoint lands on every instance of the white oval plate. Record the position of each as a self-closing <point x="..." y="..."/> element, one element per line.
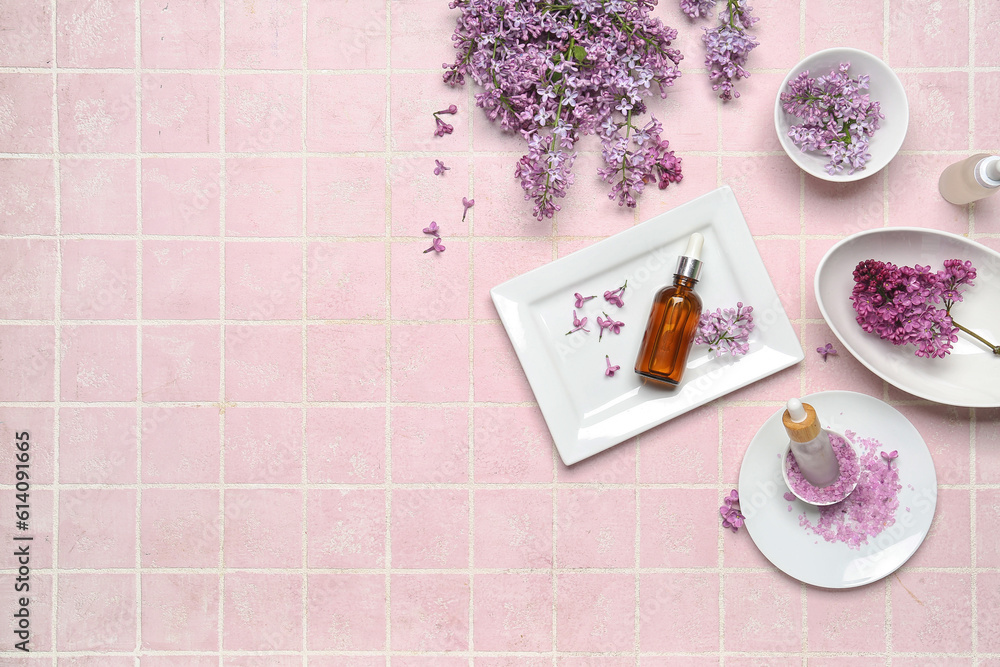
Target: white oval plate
<point x="884" y="88"/>
<point x="808" y="557"/>
<point x="968" y="376"/>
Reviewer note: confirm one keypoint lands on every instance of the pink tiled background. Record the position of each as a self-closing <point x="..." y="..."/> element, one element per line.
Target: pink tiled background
<point x="269" y="431"/>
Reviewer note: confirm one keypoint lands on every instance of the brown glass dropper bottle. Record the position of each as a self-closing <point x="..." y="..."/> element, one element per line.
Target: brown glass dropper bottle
<point x="673" y="320"/>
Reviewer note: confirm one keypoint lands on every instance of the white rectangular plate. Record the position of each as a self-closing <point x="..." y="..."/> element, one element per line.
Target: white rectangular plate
<point x="588" y="412"/>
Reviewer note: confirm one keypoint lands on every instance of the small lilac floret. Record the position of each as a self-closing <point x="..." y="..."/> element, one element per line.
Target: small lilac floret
<point x="726" y="330"/>
<point x="610" y="372"/>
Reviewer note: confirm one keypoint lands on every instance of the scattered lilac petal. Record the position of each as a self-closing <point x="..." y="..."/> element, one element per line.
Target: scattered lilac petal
<point x="467" y="203"/>
<point x="432" y="229"/>
<point x="439" y="168"/>
<point x="826" y="350"/>
<point x="437" y="246"/>
<point x="580" y="299"/>
<point x="610" y="372"/>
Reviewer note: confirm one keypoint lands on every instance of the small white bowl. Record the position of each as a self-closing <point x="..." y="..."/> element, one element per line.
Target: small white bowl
<point x="784" y="473"/>
<point x="884" y="88"/>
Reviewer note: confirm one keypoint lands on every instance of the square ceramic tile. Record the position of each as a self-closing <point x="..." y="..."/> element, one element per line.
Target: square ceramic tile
<point x="25" y="105"/>
<point x="39" y="423"/>
<point x="987" y="458"/>
<point x="776" y="254"/>
<point x="97" y="612"/>
<point x="345" y="612"/>
<point x="739" y="425"/>
<point x="417" y="27"/>
<point x="612" y="466"/>
<point x="181" y="37"/>
<point x="767" y="188"/>
<point x="927" y="34"/>
<point x="987" y="135"/>
<point x="595" y="527"/>
<point x="843" y="208"/>
<point x="30" y="43"/>
<point x="97" y="112"/>
<point x="263" y="528"/>
<point x="779" y="38"/>
<point x="934" y="605"/>
<point x="180" y="280"/>
<point x="181" y="528"/>
<point x="662" y="596"/>
<point x="683" y="450"/>
<point x="429" y="286"/>
<point x="181" y="196"/>
<point x="98" y="363"/>
<point x="430" y="528"/>
<point x="419" y="196"/>
<point x="939" y="111"/>
<point x="414" y="98"/>
<point x="263" y="112"/>
<point x="512" y="612"/>
<point x="339" y="38"/>
<point x="180" y="113"/>
<point x="41" y="609"/>
<point x="263" y="445"/>
<point x="429" y="444"/>
<point x="263" y="281"/>
<point x="346" y="528"/>
<point x="329" y="374"/>
<point x="678" y="527"/>
<point x="263" y="196"/>
<point x="847" y="621"/>
<point x="701" y="174"/>
<point x="841" y="371"/>
<point x="28" y="363"/>
<point x="986" y="22"/>
<point x="832" y="24"/>
<point x="27" y="279"/>
<point x="180" y="445"/>
<point x="345" y="196"/>
<point x="946" y="430"/>
<point x="742" y="126"/>
<point x="264" y="363"/>
<point x="596" y="612"/>
<point x="585" y="211"/>
<point x="42" y="512"/>
<point x="252" y="597"/>
<point x="180" y="612"/>
<point x="263" y="35"/>
<point x="94" y="198"/>
<point x="429" y="362"/>
<point x="988" y="601"/>
<point x="501" y="209"/>
<point x="98" y="279"/>
<point x="349" y="283"/>
<point x="511" y="444"/>
<point x="180" y="362"/>
<point x="97" y="445"/>
<point x="346" y="445"/>
<point x="987" y="513"/>
<point x="762" y="609"/>
<point x="513" y="528"/>
<point x="27" y="191"/>
<point x="95" y="34"/>
<point x="429" y="612"/>
<point x="346" y="113"/>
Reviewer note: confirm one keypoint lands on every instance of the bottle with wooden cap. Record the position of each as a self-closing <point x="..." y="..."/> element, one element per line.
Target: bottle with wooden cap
<point x="810" y="444"/>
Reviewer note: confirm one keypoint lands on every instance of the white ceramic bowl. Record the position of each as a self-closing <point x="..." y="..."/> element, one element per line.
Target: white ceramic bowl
<point x="788" y="483"/>
<point x="884" y="88"/>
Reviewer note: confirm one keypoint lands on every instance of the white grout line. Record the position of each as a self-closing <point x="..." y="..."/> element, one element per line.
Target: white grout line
<point x="138" y="329"/>
<point x="304" y="455"/>
<point x="57" y="353"/>
<point x="222" y="332"/>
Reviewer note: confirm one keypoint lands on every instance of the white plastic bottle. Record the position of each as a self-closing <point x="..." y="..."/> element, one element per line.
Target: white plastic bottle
<point x="810" y="444"/>
<point x="970" y="179"/>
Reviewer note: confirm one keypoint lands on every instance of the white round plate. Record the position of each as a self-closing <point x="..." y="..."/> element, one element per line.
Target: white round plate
<point x="968" y="376"/>
<point x="884" y="88"/>
<point x="806" y="556"/>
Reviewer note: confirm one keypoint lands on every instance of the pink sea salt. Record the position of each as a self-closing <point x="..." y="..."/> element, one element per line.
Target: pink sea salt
<point x="849" y="471"/>
<point x="871" y="507"/>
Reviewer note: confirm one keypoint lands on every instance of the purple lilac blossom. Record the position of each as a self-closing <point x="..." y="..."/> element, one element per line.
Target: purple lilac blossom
<point x="697" y="8"/>
<point x="898" y="303"/>
<point x="728" y="45"/>
<point x="726" y="330"/>
<point x="838" y="117"/>
<point x="556" y="72"/>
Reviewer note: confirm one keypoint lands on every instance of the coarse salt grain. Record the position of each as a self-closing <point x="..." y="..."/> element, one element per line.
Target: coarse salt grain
<point x="871" y="507"/>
